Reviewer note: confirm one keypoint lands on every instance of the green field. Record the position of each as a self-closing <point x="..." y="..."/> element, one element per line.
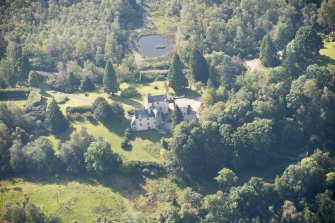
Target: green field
<point x="328" y="50"/>
<point x="87" y="199"/>
<point x="70" y="200"/>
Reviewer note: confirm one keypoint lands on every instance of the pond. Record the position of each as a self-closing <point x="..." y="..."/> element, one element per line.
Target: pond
<point x="153" y="45"/>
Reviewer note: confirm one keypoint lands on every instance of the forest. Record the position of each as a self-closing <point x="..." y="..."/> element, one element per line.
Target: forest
<point x="262" y="148"/>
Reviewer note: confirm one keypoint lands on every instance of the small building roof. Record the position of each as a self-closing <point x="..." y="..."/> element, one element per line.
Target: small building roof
<point x="156" y="98"/>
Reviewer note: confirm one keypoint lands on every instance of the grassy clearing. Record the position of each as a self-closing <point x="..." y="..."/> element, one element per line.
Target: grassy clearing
<point x="70" y="200"/>
<point x="162" y="24"/>
<point x="328" y="50"/>
<point x="87" y="199"/>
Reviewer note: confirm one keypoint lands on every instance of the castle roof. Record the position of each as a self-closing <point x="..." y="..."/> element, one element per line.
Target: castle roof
<point x="156" y="98"/>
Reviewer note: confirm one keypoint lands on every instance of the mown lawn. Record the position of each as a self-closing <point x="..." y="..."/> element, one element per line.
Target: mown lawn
<point x="328" y="50"/>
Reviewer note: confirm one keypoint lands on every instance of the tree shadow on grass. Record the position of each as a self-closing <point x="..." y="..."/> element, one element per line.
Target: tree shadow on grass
<point x="65" y="135"/>
<point x="116" y="126"/>
<point x="187" y="93"/>
<point x="127" y="101"/>
<point x="127" y="185"/>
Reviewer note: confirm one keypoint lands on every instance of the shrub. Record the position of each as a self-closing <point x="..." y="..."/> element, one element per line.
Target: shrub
<point x="61" y="99"/>
<point x="137" y="167"/>
<point x="34" y="99"/>
<point x="125" y="144"/>
<point x="129" y="92"/>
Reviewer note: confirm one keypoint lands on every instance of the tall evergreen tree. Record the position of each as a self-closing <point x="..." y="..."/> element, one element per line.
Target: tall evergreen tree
<point x="55" y="119"/>
<point x="110" y="81"/>
<point x="177" y="79"/>
<point x="268" y="54"/>
<point x="73" y="80"/>
<point x="177" y="116"/>
<point x="199" y="66"/>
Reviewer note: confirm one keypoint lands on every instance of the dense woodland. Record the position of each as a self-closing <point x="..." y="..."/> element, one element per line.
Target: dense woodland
<point x="263" y="147"/>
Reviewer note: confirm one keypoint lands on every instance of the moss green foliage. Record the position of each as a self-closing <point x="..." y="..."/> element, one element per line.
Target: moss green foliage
<point x="226" y="179"/>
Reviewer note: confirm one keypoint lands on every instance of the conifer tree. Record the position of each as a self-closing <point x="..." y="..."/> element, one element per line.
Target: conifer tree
<point x="54" y="119"/>
<point x="268" y="54"/>
<point x="177" y="116"/>
<point x="73" y="81"/>
<point x="199" y="66"/>
<point x="110" y="81"/>
<point x="177" y="79"/>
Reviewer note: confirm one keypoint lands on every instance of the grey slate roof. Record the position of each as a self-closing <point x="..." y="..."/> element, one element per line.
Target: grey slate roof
<point x="156" y="98"/>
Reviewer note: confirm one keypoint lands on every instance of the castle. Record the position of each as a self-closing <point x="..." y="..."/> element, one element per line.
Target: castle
<point x="157" y="113"/>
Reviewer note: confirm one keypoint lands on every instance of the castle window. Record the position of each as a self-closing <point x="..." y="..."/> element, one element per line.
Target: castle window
<point x="140" y="124"/>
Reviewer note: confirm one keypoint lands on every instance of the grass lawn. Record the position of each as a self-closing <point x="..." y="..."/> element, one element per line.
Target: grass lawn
<point x="328" y="50"/>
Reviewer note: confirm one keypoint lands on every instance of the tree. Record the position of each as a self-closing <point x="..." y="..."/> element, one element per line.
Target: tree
<point x="326" y="14"/>
<point x="100" y="158"/>
<point x="268" y="53"/>
<point x="199" y="66"/>
<point x="177" y="116"/>
<point x="72" y="152"/>
<point x="33" y="79"/>
<point x="110" y="81"/>
<point x="86" y="84"/>
<point x="177" y="79"/>
<point x="226" y="179"/>
<point x="39" y="156"/>
<point x="252" y="143"/>
<point x="54" y="118"/>
<point x="302" y="50"/>
<point x="73" y="80"/>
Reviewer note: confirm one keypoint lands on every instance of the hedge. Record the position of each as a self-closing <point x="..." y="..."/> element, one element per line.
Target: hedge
<point x="14" y="93"/>
<point x="78" y="109"/>
<point x="137" y="167"/>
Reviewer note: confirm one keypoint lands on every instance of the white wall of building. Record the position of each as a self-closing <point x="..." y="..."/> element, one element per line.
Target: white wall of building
<point x="144" y="124"/>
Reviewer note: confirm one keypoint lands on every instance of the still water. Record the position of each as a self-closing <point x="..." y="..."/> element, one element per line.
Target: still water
<point x="153" y="45"/>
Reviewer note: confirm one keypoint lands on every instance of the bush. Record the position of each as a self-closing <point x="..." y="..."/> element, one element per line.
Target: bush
<point x="137" y="167"/>
<point x="129" y="92"/>
<point x="61" y="99"/>
<point x="125" y="144"/>
<point x="34" y="99"/>
<point x="78" y="109"/>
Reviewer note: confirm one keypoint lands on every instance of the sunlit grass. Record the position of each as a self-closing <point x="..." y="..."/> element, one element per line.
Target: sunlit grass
<point x="70" y="200"/>
<point x="328" y="50"/>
